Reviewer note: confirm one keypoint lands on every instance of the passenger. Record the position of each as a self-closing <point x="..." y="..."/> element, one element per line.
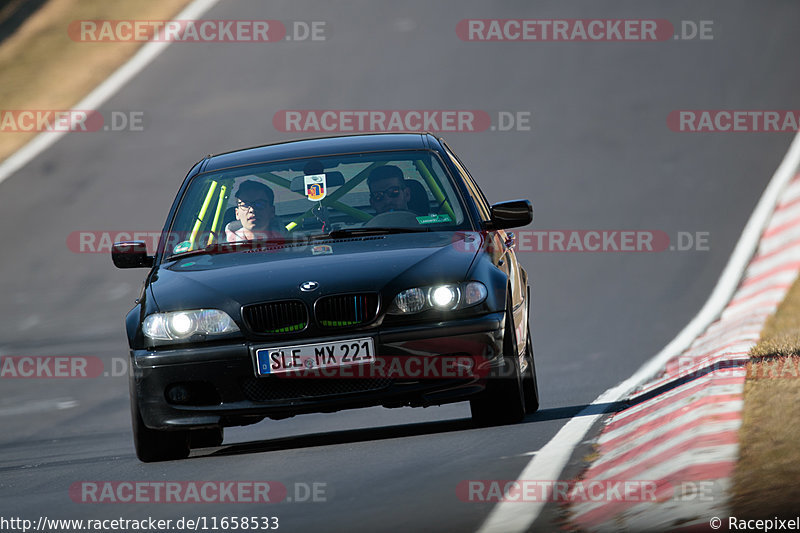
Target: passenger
<point x="255" y="214"/>
<point x="388" y="190"/>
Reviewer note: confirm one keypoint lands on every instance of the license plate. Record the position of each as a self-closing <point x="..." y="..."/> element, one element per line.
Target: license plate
<point x="279" y="360"/>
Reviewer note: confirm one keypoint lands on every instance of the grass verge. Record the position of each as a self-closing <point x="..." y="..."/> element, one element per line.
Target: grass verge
<point x="765" y="480"/>
<point x="41" y="68"/>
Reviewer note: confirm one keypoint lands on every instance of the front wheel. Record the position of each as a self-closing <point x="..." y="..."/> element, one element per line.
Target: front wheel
<point x="153" y="445"/>
<point x="503" y="401"/>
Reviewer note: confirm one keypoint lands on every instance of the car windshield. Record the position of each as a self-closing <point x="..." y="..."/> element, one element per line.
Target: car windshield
<point x="316" y="198"/>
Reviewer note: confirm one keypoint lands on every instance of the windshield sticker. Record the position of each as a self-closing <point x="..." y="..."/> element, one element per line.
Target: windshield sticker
<point x="322" y="249"/>
<point x="184" y="246"/>
<point x="434" y="219"/>
<point x="315" y="187"/>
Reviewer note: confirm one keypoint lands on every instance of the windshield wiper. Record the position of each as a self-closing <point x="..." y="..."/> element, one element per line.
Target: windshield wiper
<point x="363" y="232"/>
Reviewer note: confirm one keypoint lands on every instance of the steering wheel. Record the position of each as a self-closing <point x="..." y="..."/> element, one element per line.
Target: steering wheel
<point x="398" y="219"/>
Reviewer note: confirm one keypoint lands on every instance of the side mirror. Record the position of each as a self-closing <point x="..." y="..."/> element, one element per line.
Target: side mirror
<point x="131" y="254"/>
<point x="512" y="214"/>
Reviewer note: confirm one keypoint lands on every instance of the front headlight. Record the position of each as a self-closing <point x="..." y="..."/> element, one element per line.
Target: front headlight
<point x="444" y="297"/>
<point x="180" y="325"/>
<point x="410" y="301"/>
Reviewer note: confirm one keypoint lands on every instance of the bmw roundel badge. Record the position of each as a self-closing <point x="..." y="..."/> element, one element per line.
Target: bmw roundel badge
<point x="308" y="286"/>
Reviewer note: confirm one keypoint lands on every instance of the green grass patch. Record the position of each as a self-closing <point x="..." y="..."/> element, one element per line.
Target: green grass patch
<point x="766" y="478"/>
<point x="42" y="68"/>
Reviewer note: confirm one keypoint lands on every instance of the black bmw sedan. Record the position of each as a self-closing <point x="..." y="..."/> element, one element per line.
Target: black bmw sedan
<point x="327" y="274"/>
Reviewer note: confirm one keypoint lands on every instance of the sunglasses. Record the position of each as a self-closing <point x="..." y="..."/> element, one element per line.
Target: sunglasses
<point x="258" y="205"/>
<point x="391" y="192"/>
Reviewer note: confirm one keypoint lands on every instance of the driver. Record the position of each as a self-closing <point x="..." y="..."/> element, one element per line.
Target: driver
<point x="255" y="213"/>
<point x="388" y="190"/>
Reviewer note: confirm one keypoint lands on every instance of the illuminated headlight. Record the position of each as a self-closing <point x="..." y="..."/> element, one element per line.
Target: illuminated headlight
<point x="181" y="325"/>
<point x="442" y="297"/>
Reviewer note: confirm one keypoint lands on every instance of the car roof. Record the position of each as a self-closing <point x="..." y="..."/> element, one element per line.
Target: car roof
<point x="320" y="146"/>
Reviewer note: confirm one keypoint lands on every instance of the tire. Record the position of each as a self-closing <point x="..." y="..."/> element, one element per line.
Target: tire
<point x="503" y="401"/>
<point x="206" y="438"/>
<point x="154" y="445"/>
<point x="529" y="385"/>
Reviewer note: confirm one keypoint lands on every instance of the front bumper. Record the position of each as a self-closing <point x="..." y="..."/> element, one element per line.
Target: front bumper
<point x="207" y="386"/>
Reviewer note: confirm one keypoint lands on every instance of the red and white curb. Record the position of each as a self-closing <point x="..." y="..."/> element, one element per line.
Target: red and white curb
<point x="681" y="434"/>
<point x="719" y="329"/>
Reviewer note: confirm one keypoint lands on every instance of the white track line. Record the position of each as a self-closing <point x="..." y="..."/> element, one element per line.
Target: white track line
<point x="551" y="459"/>
<point x="101" y="93"/>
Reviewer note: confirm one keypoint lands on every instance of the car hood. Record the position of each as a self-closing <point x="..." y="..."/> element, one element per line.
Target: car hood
<point x="382" y="263"/>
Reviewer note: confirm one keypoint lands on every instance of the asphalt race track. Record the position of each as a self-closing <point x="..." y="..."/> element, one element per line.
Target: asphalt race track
<point x="598" y="156"/>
